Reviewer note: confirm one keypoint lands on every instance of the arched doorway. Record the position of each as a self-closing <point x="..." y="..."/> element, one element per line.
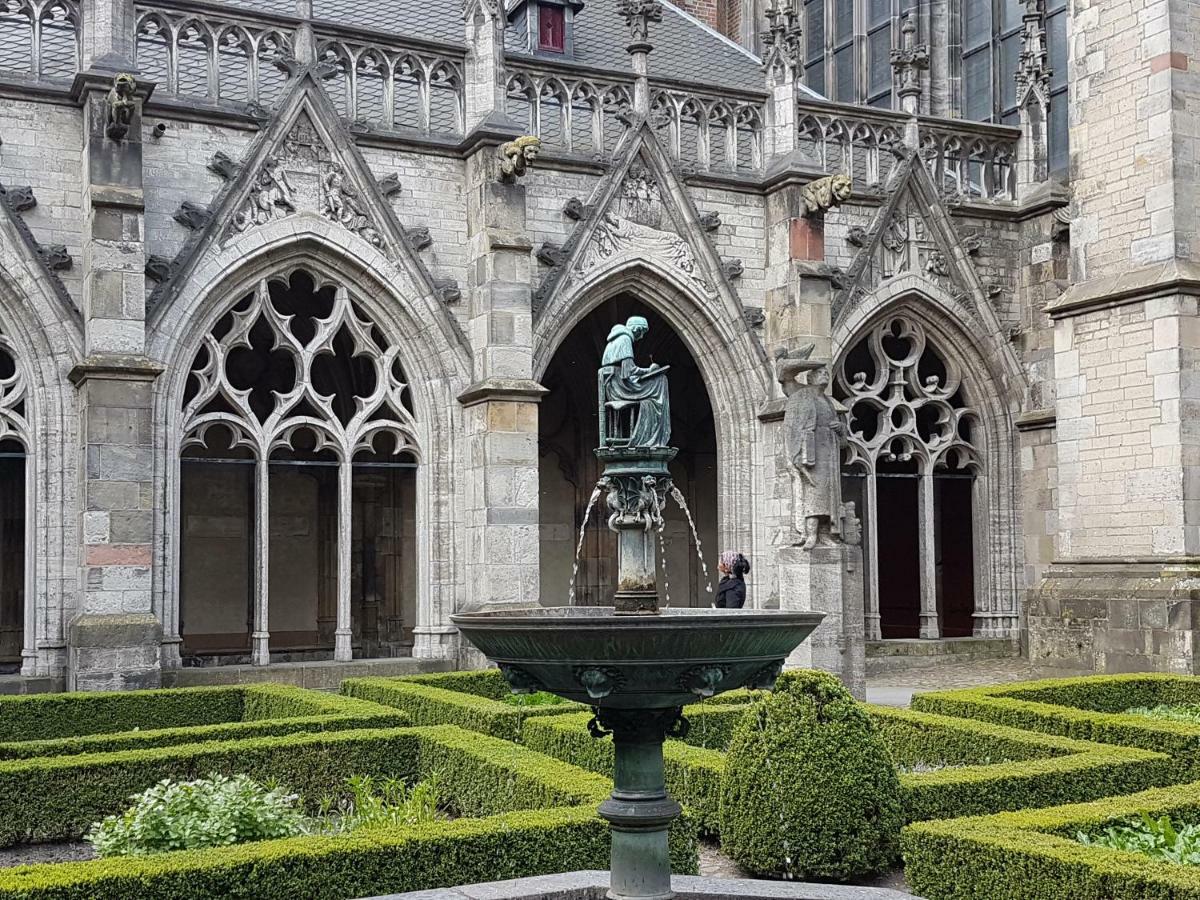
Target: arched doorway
<point x="915" y="471"/>
<point x="14" y="496"/>
<point x="297" y="501"/>
<point x="568" y="433"/>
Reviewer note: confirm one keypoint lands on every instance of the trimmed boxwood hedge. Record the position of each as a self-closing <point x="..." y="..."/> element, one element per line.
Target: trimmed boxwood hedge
<point x="1037" y="769"/>
<point x="1088" y="708"/>
<point x="256" y="710"/>
<point x="1032" y="855"/>
<point x="503" y="782"/>
<point x="427" y="702"/>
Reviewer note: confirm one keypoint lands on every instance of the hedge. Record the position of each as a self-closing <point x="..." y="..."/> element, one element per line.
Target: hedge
<point x="261" y="710"/>
<point x="427" y="703"/>
<point x="1088" y="708"/>
<point x="480" y="775"/>
<point x="1030" y="769"/>
<point x="1032" y="855"/>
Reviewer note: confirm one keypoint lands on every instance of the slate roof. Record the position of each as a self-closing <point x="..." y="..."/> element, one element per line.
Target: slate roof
<point x="684" y="49"/>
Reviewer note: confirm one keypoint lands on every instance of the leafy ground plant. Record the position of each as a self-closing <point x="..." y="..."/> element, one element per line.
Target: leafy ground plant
<point x="388" y="802"/>
<point x="538" y="698"/>
<point x="212" y="812"/>
<point x="1186" y="712"/>
<point x="1160" y="839"/>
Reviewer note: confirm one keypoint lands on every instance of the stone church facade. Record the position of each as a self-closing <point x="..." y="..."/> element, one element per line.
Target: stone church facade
<point x="298" y="342"/>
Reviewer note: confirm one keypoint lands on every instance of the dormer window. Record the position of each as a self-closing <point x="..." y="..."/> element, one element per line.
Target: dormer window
<point x="552" y="28"/>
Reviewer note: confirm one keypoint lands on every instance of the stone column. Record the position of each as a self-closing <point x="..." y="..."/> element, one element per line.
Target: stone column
<point x="500" y="407"/>
<point x="1120" y="595"/>
<point x="116" y="638"/>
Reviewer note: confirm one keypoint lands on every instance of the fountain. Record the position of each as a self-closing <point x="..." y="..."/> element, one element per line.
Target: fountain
<point x="635" y="664"/>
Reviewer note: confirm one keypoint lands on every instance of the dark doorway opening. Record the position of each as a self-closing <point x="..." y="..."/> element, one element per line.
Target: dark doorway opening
<point x="956" y="554"/>
<point x="12" y="555"/>
<point x="899" y="552"/>
<point x="568" y="433"/>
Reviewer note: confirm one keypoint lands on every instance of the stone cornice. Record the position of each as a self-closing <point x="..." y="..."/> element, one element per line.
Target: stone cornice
<point x="1036" y="420"/>
<point x="1167" y="279"/>
<point x="521" y="390"/>
<point x="131" y="367"/>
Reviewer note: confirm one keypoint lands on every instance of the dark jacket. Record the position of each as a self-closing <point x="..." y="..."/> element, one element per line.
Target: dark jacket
<point x="731" y="592"/>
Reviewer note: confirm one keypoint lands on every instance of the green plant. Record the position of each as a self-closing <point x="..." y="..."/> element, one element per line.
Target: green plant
<point x="538" y="698"/>
<point x="211" y="812"/>
<point x="1155" y="837"/>
<point x="373" y="803"/>
<point x="809" y="789"/>
<point x="1189" y="712"/>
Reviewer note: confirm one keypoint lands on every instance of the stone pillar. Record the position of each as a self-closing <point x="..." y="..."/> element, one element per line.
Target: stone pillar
<point x="500" y="407"/>
<point x="1121" y="594"/>
<point x="484" y="90"/>
<point x="782" y="52"/>
<point x="115" y="639"/>
<point x="827" y="579"/>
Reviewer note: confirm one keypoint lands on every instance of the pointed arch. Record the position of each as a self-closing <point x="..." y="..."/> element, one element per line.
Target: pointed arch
<point x="977" y="385"/>
<point x="431" y="355"/>
<point x="726" y="354"/>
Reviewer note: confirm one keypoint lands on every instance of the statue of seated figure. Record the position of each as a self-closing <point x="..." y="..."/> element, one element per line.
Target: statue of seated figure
<point x="624" y="385"/>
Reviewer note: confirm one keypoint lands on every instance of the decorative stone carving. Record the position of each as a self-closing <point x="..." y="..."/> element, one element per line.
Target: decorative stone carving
<point x="119" y="107"/>
<point x="55" y="257"/>
<point x="389" y="185"/>
<point x="782" y="41"/>
<point x="271" y="197"/>
<point x="1033" y="65"/>
<point x="419" y="237"/>
<point x="857" y="236"/>
<point x="448" y="290"/>
<point x="635" y="502"/>
<point x="710" y="221"/>
<point x="341" y="203"/>
<point x="909" y="59"/>
<point x="733" y="268"/>
<point x="936" y="264"/>
<point x="20" y="199"/>
<point x="825" y="194"/>
<point x="813" y="431"/>
<point x="550" y="254"/>
<point x="851" y="524"/>
<point x="221" y="164"/>
<point x="575" y="209"/>
<point x="638" y="15"/>
<point x="614" y="236"/>
<point x="158" y="268"/>
<point x="516" y="157"/>
<point x="754" y="316"/>
<point x="192" y="215"/>
<point x="972" y="244"/>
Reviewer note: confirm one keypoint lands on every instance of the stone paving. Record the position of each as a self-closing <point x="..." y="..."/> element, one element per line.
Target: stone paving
<point x="897" y="688"/>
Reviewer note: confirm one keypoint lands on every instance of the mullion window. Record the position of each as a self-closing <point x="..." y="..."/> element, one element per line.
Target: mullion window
<point x="1056" y="38"/>
<point x="847" y="48"/>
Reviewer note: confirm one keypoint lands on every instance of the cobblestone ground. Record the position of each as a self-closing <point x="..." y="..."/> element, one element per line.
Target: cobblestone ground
<point x="897" y="688"/>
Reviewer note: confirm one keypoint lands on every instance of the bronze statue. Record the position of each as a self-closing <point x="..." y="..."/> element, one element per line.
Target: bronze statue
<point x="813" y="437"/>
<point x="623" y="384"/>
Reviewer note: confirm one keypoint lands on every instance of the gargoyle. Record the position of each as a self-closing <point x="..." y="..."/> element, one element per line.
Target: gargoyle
<point x="825" y="193"/>
<point x="516" y="157"/>
<point x="120" y="106"/>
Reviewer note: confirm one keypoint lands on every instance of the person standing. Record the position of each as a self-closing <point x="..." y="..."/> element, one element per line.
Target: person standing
<point x="731" y="592"/>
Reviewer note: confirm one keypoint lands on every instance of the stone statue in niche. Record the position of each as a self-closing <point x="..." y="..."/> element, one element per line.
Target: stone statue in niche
<point x="625" y="385"/>
<point x="120" y="107"/>
<point x="813" y="438"/>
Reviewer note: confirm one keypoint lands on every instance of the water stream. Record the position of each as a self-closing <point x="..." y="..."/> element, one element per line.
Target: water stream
<point x="677" y="496"/>
<point x="662" y="547"/>
<point x="587" y="514"/>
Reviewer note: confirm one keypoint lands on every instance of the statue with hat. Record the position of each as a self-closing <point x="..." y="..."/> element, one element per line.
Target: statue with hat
<point x="624" y="385"/>
<point x="813" y="437"/>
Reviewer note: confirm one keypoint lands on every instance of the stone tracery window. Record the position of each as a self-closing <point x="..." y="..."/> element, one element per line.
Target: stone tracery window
<point x="914" y="449"/>
<point x="16" y="618"/>
<point x="296" y="382"/>
<point x="39" y="38"/>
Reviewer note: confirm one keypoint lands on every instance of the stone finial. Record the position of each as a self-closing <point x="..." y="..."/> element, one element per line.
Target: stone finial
<point x="824" y="194"/>
<point x="638" y="15"/>
<point x="487" y="10"/>
<point x="908" y="61"/>
<point x="119" y="107"/>
<point x="1033" y="68"/>
<point x="516" y="157"/>
<point x="783" y="48"/>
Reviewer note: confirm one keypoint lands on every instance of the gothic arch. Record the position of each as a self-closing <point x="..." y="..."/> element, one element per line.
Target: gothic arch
<point x="429" y="349"/>
<point x="728" y="357"/>
<point x="988" y="399"/>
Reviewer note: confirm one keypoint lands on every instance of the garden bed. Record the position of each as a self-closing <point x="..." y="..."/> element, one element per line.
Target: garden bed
<point x="1094" y="708"/>
<point x="1036" y="854"/>
<point x="46" y="725"/>
<point x="520" y="813"/>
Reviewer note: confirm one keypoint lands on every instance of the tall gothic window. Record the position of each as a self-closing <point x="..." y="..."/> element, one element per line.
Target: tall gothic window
<point x="912" y="466"/>
<point x="297" y="485"/>
<point x="991" y="49"/>
<point x="847" y="48"/>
